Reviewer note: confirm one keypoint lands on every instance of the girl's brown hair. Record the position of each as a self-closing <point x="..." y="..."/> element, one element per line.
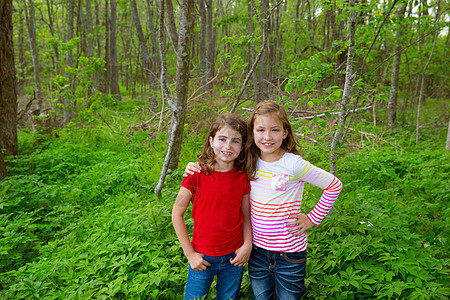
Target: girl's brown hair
<point x="252" y="152"/>
<point x="207" y="157"/>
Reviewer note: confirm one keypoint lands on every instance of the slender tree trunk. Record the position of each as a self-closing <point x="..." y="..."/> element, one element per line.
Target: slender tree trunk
<point x="392" y="104"/>
<point x="447" y="145"/>
<point x="179" y="103"/>
<point x="262" y="80"/>
<point x="155" y="49"/>
<point x="115" y="89"/>
<point x="146" y="62"/>
<point x="424" y="80"/>
<point x="67" y="112"/>
<point x="347" y="94"/>
<point x="3" y="171"/>
<point x="30" y="21"/>
<point x="8" y="89"/>
<point x="202" y="52"/>
<point x="21" y="70"/>
<point x="89" y="37"/>
<point x="107" y="72"/>
<point x="172" y="24"/>
<point x="252" y="52"/>
<point x="82" y="28"/>
<point x="210" y="44"/>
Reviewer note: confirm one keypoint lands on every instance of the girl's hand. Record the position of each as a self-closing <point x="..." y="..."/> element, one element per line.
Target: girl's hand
<point x="192" y="168"/>
<point x="197" y="262"/>
<point x="301" y="224"/>
<point x="242" y="256"/>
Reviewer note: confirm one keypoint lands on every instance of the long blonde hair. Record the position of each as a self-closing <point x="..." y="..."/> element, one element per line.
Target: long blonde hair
<point x="207" y="157"/>
<point x="252" y="152"/>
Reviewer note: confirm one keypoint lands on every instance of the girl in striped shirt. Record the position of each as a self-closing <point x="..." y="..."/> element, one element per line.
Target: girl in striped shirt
<point x="277" y="264"/>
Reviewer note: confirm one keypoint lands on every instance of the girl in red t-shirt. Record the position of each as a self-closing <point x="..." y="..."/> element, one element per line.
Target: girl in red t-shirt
<point x="222" y="238"/>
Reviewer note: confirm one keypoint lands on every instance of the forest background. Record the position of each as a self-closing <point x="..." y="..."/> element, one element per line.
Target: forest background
<point x="103" y="102"/>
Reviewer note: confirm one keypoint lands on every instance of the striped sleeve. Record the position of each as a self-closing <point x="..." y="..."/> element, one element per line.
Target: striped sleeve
<point x="330" y="185"/>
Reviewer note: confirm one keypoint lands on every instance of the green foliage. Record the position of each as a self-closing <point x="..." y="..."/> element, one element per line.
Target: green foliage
<point x="82" y="222"/>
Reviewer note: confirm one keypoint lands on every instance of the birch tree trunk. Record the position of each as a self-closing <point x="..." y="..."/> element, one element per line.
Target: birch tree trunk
<point x="155" y="49"/>
<point x="30" y="21"/>
<point x="115" y="89"/>
<point x="179" y="102"/>
<point x="392" y="104"/>
<point x="347" y="94"/>
<point x="172" y="24"/>
<point x="8" y="89"/>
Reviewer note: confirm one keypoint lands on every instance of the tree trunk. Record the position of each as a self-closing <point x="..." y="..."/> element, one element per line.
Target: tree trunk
<point x="347" y="94"/>
<point x="179" y="103"/>
<point x="89" y="28"/>
<point x="67" y="115"/>
<point x="210" y="44"/>
<point x="146" y="62"/>
<point x="115" y="89"/>
<point x="202" y="50"/>
<point x="30" y="21"/>
<point x="423" y="84"/>
<point x="21" y="70"/>
<point x="252" y="52"/>
<point x="3" y="171"/>
<point x="107" y="71"/>
<point x="262" y="80"/>
<point x="8" y="89"/>
<point x="172" y="24"/>
<point x="447" y="145"/>
<point x="155" y="49"/>
<point x="392" y="104"/>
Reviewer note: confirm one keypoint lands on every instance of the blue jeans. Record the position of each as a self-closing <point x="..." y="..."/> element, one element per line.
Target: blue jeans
<point x="277" y="273"/>
<point x="229" y="279"/>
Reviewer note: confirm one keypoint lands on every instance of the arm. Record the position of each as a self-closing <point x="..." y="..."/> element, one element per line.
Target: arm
<point x="192" y="168"/>
<point x="182" y="201"/>
<point x="331" y="186"/>
<point x="243" y="253"/>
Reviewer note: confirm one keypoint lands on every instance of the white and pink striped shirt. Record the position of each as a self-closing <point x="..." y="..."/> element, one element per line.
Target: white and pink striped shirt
<point x="277" y="193"/>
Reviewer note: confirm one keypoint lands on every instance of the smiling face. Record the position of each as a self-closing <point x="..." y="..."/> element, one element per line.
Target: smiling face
<point x="227" y="145"/>
<point x="268" y="134"/>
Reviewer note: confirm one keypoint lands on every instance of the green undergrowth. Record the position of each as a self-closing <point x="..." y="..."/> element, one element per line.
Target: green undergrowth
<point x="79" y="220"/>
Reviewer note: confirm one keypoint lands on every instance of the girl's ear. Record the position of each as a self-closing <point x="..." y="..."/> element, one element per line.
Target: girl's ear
<point x="210" y="140"/>
<point x="285" y="134"/>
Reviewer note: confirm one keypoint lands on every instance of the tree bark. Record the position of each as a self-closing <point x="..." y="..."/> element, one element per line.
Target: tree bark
<point x="67" y="110"/>
<point x="115" y="89"/>
<point x="3" y="171"/>
<point x="262" y="78"/>
<point x="202" y="50"/>
<point x="179" y="103"/>
<point x="392" y="104"/>
<point x="210" y="44"/>
<point x="8" y="88"/>
<point x="424" y="80"/>
<point x="172" y="24"/>
<point x="146" y="62"/>
<point x="447" y="145"/>
<point x="89" y="28"/>
<point x="347" y="94"/>
<point x="252" y="52"/>
<point x="30" y="21"/>
<point x="155" y="49"/>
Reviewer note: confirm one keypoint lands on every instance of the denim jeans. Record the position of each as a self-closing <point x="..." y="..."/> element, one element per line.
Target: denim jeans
<point x="229" y="279"/>
<point x="279" y="273"/>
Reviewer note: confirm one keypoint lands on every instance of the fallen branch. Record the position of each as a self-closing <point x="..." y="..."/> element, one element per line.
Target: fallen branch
<point x="331" y="113"/>
<point x="376" y="137"/>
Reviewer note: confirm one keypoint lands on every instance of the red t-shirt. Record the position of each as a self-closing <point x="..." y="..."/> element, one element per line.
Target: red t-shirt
<point x="217" y="214"/>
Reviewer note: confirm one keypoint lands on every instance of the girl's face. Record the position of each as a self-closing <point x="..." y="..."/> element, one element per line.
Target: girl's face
<point x="269" y="133"/>
<point x="227" y="145"/>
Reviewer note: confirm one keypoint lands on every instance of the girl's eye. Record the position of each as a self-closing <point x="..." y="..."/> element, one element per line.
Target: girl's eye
<point x="237" y="142"/>
<point x="222" y="139"/>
